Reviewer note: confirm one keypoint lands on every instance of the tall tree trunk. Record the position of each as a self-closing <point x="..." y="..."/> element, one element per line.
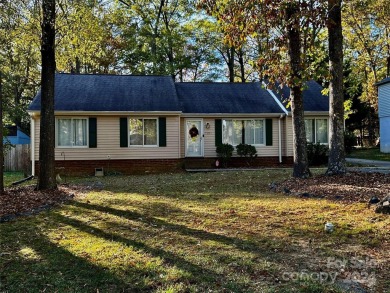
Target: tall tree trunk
<point x="388" y="67"/>
<point x="336" y="163"/>
<point x="156" y="36"/>
<point x="78" y="65"/>
<point x="47" y="178"/>
<point x="242" y="65"/>
<point x="301" y="163"/>
<point x="230" y="54"/>
<point x="1" y="139"/>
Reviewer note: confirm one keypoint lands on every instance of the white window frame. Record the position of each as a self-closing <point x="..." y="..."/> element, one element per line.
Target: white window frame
<point x="143" y="131"/>
<point x="315" y="129"/>
<point x="72" y="146"/>
<point x="251" y="120"/>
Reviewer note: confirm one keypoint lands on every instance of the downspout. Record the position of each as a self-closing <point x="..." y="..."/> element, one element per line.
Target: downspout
<point x="179" y="155"/>
<point x="32" y="148"/>
<point x="280" y="137"/>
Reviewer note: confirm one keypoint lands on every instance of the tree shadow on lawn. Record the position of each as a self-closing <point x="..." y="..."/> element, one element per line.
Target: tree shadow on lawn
<point x="51" y="268"/>
<point x="273" y="250"/>
<point x="294" y="258"/>
<point x="245" y="245"/>
<point x="210" y="279"/>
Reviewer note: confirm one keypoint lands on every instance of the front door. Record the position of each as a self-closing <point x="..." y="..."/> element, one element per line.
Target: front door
<point x="194" y="138"/>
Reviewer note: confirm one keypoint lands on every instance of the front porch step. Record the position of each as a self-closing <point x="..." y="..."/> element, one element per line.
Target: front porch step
<point x="199" y="163"/>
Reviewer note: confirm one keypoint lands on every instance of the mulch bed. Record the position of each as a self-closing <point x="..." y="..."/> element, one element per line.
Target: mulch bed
<point x="25" y="200"/>
<point x="351" y="187"/>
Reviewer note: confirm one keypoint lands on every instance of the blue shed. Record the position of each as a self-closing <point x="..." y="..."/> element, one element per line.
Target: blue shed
<point x="16" y="136"/>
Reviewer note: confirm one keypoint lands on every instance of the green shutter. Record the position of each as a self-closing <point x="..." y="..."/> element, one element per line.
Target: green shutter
<point x="218" y="132"/>
<point x="268" y="131"/>
<point x="162" y="132"/>
<point x="92" y="128"/>
<point x="123" y="132"/>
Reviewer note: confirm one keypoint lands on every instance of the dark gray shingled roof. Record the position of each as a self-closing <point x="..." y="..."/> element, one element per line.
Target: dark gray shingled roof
<point x="110" y="93"/>
<point x="313" y="99"/>
<point x="82" y="92"/>
<point x="228" y="98"/>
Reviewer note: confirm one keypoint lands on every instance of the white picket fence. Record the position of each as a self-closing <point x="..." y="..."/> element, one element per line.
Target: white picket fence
<point x="17" y="158"/>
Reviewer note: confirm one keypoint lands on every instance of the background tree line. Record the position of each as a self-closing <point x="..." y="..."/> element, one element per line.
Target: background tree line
<point x="208" y="40"/>
<point x="174" y="37"/>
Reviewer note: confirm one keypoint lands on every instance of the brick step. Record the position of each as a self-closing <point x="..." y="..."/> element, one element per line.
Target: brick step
<point x="199" y="163"/>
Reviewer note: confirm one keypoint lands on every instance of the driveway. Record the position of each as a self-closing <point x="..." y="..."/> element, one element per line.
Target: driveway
<point x="369" y="165"/>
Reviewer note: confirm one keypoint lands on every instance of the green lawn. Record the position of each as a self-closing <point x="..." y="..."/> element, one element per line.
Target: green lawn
<point x="10" y="177"/>
<point x="369" y="154"/>
<point x="202" y="232"/>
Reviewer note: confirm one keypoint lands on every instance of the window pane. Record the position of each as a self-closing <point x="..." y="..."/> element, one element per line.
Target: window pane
<point x="249" y="132"/>
<point x="309" y="125"/>
<point x="254" y="132"/>
<point x="259" y="132"/>
<point x="237" y="132"/>
<point x="64" y="132"/>
<point x="150" y="131"/>
<point x="135" y="128"/>
<point x="232" y="131"/>
<point x="322" y="130"/>
<point x="227" y="126"/>
<point x="80" y="132"/>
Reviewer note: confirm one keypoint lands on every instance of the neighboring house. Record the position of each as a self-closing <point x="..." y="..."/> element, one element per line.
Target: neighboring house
<point x="130" y="124"/>
<point x="384" y="114"/>
<point x="16" y="136"/>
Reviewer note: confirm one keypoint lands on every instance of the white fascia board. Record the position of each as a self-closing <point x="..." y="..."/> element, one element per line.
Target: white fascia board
<point x="278" y="102"/>
<point x="227" y="115"/>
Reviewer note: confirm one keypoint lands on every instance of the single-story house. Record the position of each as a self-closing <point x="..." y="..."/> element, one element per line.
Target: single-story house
<point x="133" y="124"/>
<point x="16" y="136"/>
<point x="384" y="114"/>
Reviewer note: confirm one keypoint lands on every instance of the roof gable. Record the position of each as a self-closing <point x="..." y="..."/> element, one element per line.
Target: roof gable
<point x="82" y="92"/>
<point x="313" y="99"/>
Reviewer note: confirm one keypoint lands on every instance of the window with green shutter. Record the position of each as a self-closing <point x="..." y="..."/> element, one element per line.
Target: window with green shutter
<point x="143" y="131"/>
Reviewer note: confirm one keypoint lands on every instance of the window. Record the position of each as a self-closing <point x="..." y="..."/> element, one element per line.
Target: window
<point x="72" y="132"/>
<point x="251" y="132"/>
<point x="316" y="130"/>
<point x="143" y="132"/>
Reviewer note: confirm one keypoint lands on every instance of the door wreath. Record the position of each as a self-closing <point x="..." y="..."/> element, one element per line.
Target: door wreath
<point x="193" y="131"/>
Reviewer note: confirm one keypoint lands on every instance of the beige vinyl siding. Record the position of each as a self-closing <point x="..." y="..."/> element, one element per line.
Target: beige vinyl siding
<point x="289" y="132"/>
<point x="289" y="152"/>
<point x="108" y="143"/>
<point x="209" y="137"/>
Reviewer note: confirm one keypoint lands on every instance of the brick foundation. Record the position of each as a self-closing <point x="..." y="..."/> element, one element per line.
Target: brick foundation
<point x="209" y="163"/>
<point x="125" y="167"/>
<point x="130" y="167"/>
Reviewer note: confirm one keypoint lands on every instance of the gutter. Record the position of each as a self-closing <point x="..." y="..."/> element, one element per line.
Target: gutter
<point x="280" y="137"/>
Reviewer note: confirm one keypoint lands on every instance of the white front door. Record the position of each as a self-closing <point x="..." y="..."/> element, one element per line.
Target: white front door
<point x="194" y="138"/>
